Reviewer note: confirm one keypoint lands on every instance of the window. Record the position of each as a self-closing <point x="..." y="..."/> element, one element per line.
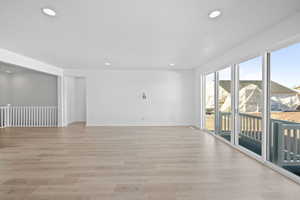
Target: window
<point x="224" y="103"/>
<point x="250" y="105"/>
<point x="285" y="108"/>
<point x="210" y="102"/>
<point x="246" y="131"/>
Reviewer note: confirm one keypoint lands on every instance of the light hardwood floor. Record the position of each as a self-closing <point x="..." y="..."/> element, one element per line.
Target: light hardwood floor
<point x="131" y="163"/>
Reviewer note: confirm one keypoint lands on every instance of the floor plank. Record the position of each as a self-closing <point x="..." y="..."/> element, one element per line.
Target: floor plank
<point x="130" y="163"/>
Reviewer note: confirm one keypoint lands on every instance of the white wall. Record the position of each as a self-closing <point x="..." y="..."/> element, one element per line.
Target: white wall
<point x="114" y="97"/>
<point x="75" y="99"/>
<point x="80" y="99"/>
<point x="69" y="95"/>
<point x="4" y="88"/>
<point x="28" y="88"/>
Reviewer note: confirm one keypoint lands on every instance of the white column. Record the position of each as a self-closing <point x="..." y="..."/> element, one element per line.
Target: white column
<point x="216" y="100"/>
<point x="266" y="106"/>
<point x="60" y="102"/>
<point x="202" y="101"/>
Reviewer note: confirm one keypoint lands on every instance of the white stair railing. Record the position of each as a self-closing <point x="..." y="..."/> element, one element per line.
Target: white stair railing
<point x="28" y="116"/>
<point x="4" y="116"/>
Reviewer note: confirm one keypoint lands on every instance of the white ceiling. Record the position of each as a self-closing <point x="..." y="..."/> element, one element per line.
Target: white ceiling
<point x="134" y="33"/>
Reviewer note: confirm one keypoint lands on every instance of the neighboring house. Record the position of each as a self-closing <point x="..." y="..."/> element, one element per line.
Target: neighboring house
<point x="282" y="98"/>
<point x="297" y="88"/>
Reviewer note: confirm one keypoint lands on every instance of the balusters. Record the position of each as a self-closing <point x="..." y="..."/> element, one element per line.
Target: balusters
<point x="28" y="116"/>
<point x="297" y="145"/>
<point x="2" y="117"/>
<point x="225" y="120"/>
<point x="250" y="126"/>
<point x="289" y="144"/>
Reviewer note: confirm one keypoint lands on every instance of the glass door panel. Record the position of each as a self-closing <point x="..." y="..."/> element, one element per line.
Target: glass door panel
<point x="284" y="137"/>
<point x="224" y="103"/>
<point x="250" y="105"/>
<point x="210" y="102"/>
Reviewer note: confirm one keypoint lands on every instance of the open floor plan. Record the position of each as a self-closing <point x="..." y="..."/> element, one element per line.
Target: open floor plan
<point x="150" y="100"/>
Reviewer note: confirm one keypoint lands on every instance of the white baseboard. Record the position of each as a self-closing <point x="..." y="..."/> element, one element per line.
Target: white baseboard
<point x="140" y="124"/>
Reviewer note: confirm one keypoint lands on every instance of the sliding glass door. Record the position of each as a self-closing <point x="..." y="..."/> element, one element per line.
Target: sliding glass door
<point x="210" y="102"/>
<point x="250" y="105"/>
<point x="224" y="103"/>
<point x="284" y="137"/>
<point x="265" y="95"/>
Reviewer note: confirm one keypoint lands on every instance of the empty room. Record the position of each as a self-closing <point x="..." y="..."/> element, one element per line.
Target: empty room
<point x="149" y="100"/>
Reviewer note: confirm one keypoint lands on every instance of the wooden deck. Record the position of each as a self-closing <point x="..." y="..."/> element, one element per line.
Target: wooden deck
<point x="131" y="163"/>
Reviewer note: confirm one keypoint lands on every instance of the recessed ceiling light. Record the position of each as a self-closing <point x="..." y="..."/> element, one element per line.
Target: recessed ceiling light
<point x="48" y="11"/>
<point x="171" y="64"/>
<point x="107" y="64"/>
<point x="214" y="14"/>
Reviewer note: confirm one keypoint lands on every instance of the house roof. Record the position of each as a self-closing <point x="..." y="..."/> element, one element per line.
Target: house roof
<point x="297" y="88"/>
<point x="276" y="88"/>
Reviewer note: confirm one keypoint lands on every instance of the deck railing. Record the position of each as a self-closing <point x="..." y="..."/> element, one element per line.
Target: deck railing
<point x="289" y="144"/>
<point x="28" y="116"/>
<point x="225" y="122"/>
<point x="251" y="127"/>
<point x="284" y="136"/>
